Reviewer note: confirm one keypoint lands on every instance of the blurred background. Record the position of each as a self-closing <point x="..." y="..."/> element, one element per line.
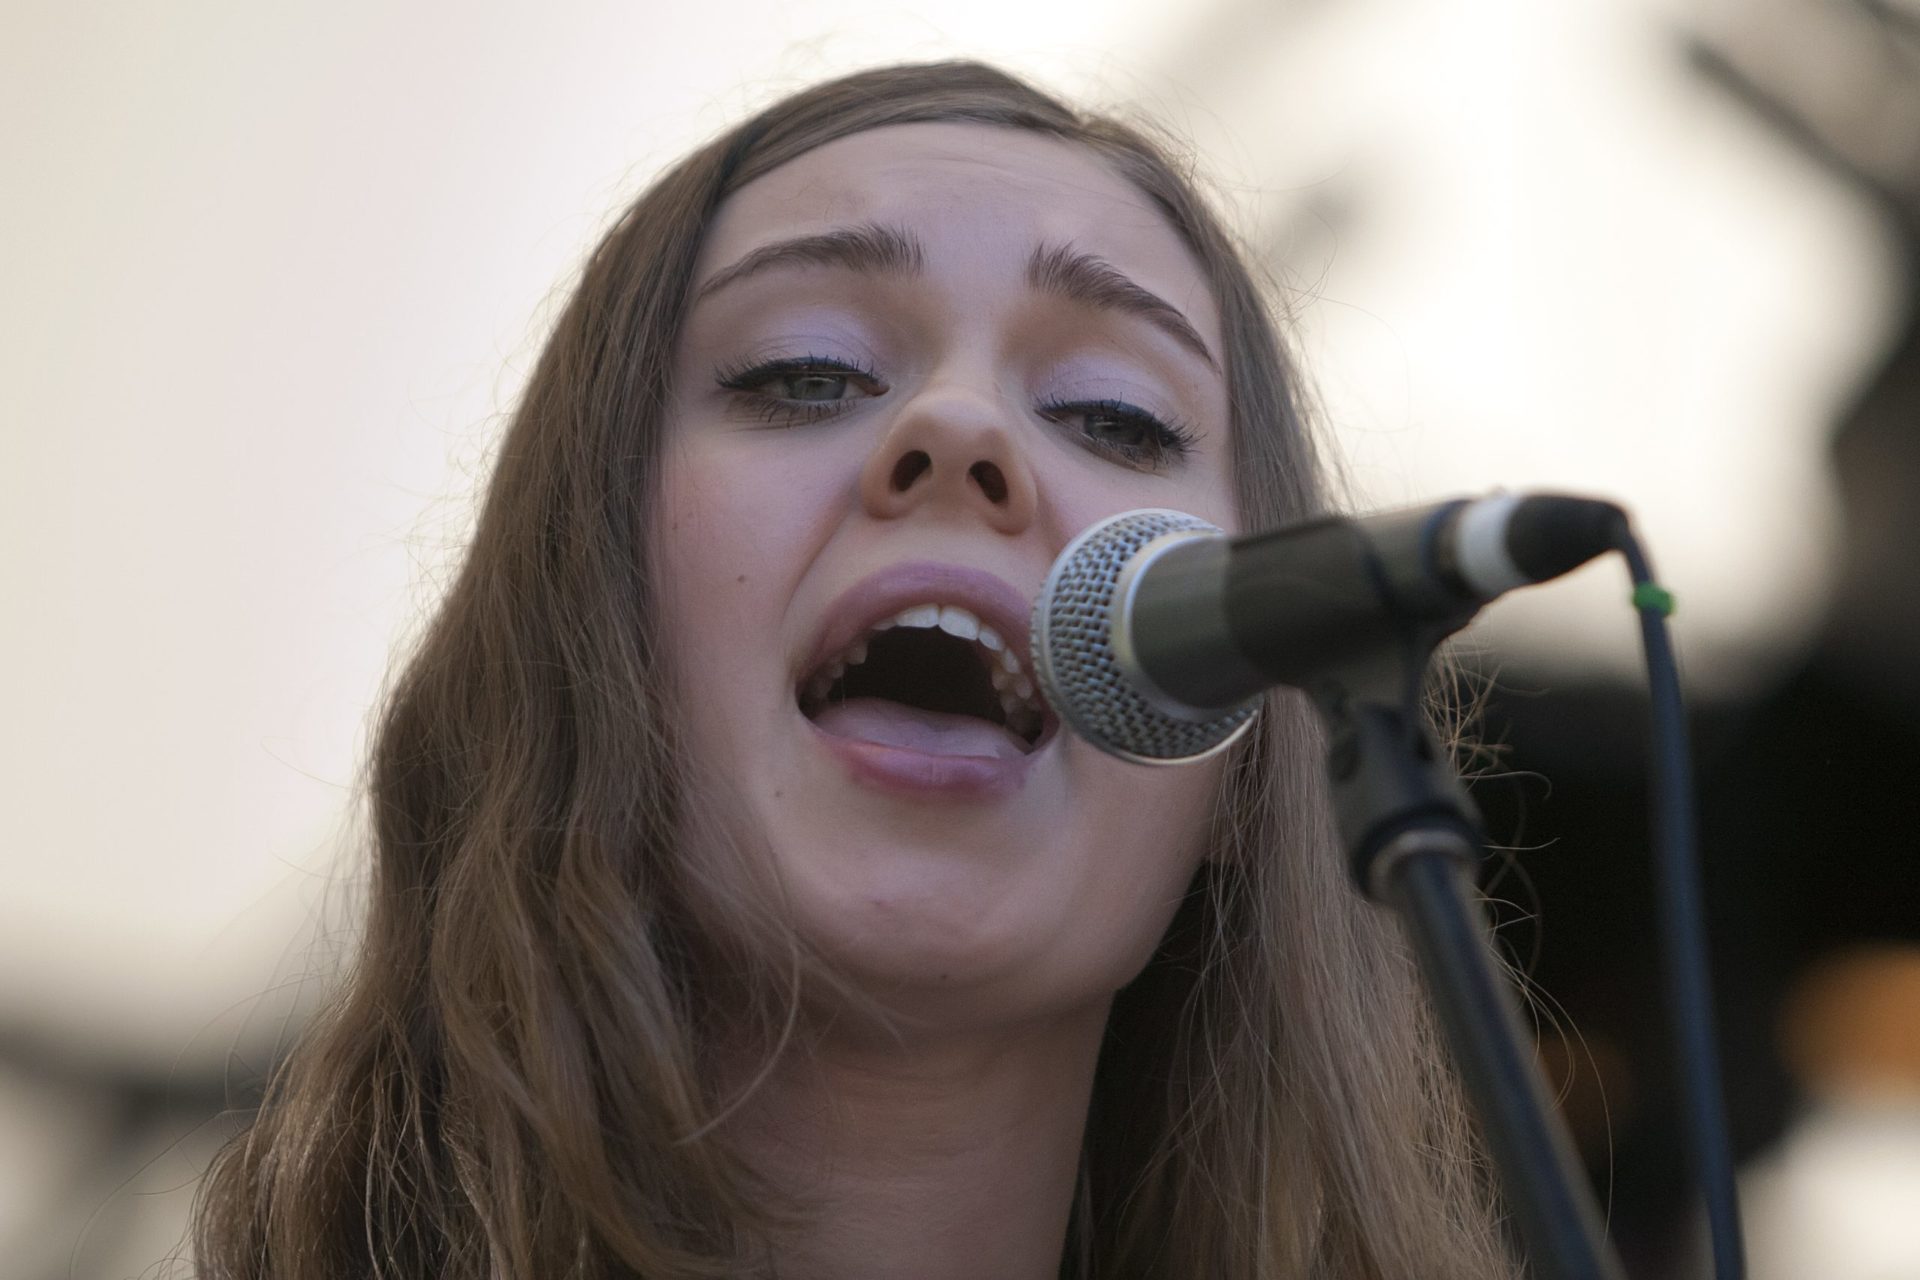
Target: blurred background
<point x="271" y="276"/>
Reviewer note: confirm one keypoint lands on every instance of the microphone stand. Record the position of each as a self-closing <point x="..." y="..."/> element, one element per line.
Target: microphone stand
<point x="1414" y="843"/>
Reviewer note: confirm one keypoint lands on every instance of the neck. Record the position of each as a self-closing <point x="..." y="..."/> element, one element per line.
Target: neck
<point x="955" y="1157"/>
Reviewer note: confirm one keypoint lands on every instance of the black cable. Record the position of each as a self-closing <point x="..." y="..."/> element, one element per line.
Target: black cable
<point x="1683" y="933"/>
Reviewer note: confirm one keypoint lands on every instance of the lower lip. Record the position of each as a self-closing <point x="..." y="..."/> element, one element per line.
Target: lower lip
<point x="903" y="771"/>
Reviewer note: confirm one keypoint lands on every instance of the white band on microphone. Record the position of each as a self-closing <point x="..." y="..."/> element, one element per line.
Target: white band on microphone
<point x="1480" y="546"/>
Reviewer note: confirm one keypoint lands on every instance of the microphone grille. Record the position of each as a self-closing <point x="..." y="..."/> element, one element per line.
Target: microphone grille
<point x="1073" y="654"/>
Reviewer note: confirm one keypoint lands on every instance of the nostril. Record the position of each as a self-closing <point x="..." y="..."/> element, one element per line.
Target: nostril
<point x="910" y="468"/>
<point x="991" y="482"/>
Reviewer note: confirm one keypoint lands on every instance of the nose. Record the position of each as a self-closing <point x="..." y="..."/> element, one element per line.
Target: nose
<point x="950" y="448"/>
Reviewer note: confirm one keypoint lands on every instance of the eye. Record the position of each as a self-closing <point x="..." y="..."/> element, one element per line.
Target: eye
<point x="1123" y="430"/>
<point x="795" y="390"/>
<point x="813" y="387"/>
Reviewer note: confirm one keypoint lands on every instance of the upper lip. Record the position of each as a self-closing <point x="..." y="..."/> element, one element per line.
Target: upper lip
<point x="880" y="596"/>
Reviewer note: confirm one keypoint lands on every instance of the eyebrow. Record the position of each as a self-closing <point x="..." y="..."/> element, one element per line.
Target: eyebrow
<point x="868" y="248"/>
<point x="1095" y="282"/>
<point x="1061" y="270"/>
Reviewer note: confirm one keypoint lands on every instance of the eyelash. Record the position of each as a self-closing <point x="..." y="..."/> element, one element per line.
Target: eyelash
<point x="1168" y="438"/>
<point x="743" y="381"/>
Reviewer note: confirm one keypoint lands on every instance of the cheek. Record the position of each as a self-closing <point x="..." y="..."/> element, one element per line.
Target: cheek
<point x="737" y="524"/>
<point x="715" y="543"/>
<point x="704" y="528"/>
<point x="745" y="503"/>
<point x="729" y="536"/>
<point x="1145" y="836"/>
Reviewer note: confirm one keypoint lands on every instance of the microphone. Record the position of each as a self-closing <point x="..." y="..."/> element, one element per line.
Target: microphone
<point x="1155" y="633"/>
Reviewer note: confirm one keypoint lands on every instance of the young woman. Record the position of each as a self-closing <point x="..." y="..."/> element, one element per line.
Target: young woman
<point x="737" y="909"/>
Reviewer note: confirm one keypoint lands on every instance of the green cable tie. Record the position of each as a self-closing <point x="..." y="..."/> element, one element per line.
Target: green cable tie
<point x="1651" y="595"/>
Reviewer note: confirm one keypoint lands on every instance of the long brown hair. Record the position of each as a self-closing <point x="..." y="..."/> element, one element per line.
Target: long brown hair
<point x="510" y="1084"/>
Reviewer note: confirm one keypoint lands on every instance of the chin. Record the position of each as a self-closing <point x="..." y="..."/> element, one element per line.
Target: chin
<point x="921" y="912"/>
<point x="960" y="944"/>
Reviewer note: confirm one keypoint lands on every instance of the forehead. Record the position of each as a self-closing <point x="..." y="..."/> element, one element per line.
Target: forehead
<point x="979" y="196"/>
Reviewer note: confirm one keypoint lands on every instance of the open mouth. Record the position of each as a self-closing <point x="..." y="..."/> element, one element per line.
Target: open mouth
<point x="932" y="678"/>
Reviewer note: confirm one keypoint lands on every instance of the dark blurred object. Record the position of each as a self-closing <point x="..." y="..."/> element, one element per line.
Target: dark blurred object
<point x="1812" y="807"/>
<point x="1810" y="791"/>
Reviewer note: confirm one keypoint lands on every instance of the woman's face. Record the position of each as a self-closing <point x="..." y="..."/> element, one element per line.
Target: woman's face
<point x="918" y="362"/>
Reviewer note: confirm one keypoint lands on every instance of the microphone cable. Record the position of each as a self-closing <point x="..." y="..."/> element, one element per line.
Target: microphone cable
<point x="1681" y="911"/>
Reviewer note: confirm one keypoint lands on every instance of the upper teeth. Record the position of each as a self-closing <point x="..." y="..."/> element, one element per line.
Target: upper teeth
<point x="1009" y="681"/>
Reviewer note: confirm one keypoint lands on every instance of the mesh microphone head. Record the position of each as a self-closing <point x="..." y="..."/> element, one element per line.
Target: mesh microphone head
<point x="1073" y="652"/>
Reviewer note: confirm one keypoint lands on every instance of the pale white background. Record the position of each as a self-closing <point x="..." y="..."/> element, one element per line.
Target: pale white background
<point x="271" y="275"/>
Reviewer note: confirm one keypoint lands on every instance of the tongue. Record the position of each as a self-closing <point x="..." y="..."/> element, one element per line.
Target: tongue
<point x="894" y="724"/>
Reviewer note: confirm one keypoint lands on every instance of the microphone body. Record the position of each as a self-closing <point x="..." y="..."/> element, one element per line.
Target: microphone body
<point x="1198" y="625"/>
